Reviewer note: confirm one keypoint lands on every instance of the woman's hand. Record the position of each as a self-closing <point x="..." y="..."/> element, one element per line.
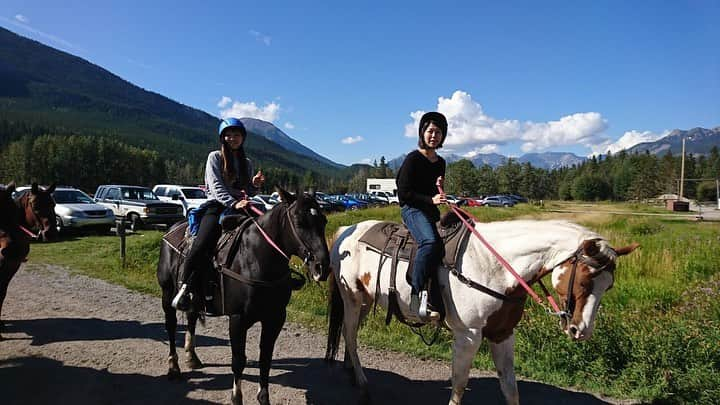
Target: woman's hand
<point x="439" y="199"/>
<point x="259" y="179"/>
<point x="241" y="204"/>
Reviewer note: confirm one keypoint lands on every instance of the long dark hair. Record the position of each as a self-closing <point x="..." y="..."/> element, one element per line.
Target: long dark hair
<point x="239" y="180"/>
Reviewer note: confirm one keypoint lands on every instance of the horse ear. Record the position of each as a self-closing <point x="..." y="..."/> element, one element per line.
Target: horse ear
<point x="10" y="187"/>
<point x="311" y="192"/>
<point x="590" y="247"/>
<point x="627" y="249"/>
<point x="285" y="196"/>
<point x="51" y="188"/>
<point x="34" y="188"/>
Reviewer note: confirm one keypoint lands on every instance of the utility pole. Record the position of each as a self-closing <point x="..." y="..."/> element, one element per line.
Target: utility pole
<point x="682" y="170"/>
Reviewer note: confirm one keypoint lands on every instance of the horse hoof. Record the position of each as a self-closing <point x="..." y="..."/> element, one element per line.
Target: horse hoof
<point x="263" y="397"/>
<point x="194" y="363"/>
<point x="174" y="374"/>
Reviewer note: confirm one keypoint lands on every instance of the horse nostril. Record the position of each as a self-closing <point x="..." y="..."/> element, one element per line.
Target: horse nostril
<point x="573" y="330"/>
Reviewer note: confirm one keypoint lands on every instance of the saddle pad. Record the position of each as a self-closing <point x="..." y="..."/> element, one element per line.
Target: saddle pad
<point x="176" y="237"/>
<point x="387" y="237"/>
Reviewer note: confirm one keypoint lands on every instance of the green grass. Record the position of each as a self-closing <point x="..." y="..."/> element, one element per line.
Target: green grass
<point x="656" y="337"/>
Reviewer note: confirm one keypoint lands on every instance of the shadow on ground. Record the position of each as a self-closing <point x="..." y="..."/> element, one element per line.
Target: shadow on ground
<point x="54" y="330"/>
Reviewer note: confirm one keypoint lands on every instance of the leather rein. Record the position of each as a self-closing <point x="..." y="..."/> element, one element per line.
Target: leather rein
<point x="577" y="256"/>
<point x="282" y="280"/>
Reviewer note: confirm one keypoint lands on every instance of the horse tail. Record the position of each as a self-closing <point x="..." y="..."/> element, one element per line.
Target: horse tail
<point x="336" y="313"/>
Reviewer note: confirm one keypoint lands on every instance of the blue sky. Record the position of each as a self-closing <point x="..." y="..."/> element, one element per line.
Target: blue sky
<point x="350" y="81"/>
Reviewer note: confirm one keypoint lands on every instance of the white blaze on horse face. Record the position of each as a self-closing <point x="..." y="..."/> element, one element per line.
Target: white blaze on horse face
<point x="313" y="211"/>
<point x="601" y="283"/>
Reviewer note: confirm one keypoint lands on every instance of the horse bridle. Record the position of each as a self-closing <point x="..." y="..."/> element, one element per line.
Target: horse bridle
<point x="578" y="256"/>
<point x="38" y="221"/>
<point x="309" y="256"/>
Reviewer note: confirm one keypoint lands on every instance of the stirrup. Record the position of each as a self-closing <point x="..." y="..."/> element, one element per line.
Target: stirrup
<point x="426" y="312"/>
<point x="179" y="296"/>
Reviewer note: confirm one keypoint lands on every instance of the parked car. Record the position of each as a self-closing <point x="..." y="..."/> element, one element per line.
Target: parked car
<point x="76" y="210"/>
<point x="497" y="201"/>
<point x="348" y="202"/>
<point x="333" y="205"/>
<point x="454" y="200"/>
<point x="138" y="205"/>
<point x="517" y="198"/>
<point x="386" y="196"/>
<point x="186" y="196"/>
<point x="265" y="200"/>
<point x="473" y="201"/>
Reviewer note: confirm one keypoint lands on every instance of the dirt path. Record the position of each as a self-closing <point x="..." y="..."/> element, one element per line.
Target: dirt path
<point x="76" y="340"/>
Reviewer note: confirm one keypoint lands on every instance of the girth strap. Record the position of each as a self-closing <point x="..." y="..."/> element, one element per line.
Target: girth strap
<point x="255" y="282"/>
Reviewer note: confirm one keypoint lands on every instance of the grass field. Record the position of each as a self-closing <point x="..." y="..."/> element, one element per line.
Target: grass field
<point x="657" y="332"/>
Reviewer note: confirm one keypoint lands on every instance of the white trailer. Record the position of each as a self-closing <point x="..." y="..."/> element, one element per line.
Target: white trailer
<point x="387" y="185"/>
<point x="383" y="188"/>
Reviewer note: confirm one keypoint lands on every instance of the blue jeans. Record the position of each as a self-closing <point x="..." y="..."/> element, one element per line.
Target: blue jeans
<point x="429" y="243"/>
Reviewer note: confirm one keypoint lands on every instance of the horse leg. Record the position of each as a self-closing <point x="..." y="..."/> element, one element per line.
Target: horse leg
<point x="347" y="362"/>
<point x="171" y="328"/>
<point x="270" y="330"/>
<point x="353" y="310"/>
<point x="464" y="348"/>
<point x="6" y="274"/>
<point x="504" y="357"/>
<point x="191" y="358"/>
<point x="238" y="340"/>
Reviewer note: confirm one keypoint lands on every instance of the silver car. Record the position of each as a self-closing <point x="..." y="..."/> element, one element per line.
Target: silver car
<point x="76" y="210"/>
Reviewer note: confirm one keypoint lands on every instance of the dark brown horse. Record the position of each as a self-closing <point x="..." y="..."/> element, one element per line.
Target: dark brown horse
<point x="257" y="284"/>
<point x="30" y="215"/>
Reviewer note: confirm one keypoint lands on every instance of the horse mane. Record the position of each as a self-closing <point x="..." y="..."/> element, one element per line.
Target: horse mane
<point x="558" y="239"/>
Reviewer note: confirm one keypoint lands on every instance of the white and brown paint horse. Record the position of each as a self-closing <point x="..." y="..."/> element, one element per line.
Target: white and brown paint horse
<point x="533" y="249"/>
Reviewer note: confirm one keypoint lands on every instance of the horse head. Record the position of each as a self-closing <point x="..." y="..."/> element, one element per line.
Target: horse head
<point x="581" y="280"/>
<point x="39" y="211"/>
<point x="307" y="224"/>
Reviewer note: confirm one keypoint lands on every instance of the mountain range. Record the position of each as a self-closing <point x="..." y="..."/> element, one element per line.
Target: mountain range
<point x="49" y="88"/>
<point x="698" y="141"/>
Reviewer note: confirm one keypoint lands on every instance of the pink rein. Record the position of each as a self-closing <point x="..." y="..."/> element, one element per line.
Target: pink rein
<point x="457" y="210"/>
<point x="265" y="235"/>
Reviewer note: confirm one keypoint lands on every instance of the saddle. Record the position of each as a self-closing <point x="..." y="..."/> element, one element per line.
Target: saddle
<point x="394" y="241"/>
<point x="180" y="239"/>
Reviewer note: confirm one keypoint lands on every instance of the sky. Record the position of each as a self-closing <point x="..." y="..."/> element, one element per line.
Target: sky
<point x="350" y="81"/>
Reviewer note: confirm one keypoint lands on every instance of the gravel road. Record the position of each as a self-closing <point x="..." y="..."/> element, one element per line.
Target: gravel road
<point x="71" y="339"/>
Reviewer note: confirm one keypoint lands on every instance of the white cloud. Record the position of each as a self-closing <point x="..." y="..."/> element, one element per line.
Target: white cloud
<point x="352" y="139"/>
<point x="629" y="138"/>
<point x="270" y="112"/>
<point x="265" y="39"/>
<point x="366" y="161"/>
<point x="289" y="125"/>
<point x="485" y="149"/>
<point x="22" y="19"/>
<point x="224" y="102"/>
<point x="471" y="129"/>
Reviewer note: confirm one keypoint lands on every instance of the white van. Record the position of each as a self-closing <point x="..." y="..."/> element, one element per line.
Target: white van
<point x="187" y="196"/>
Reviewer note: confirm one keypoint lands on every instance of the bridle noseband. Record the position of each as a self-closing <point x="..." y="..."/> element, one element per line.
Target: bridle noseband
<point x="589" y="261"/>
<point x="309" y="256"/>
